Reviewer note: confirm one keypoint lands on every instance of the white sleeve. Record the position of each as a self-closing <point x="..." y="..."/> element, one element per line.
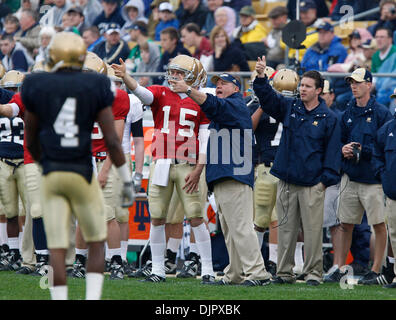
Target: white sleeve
<point x="203" y="137"/>
<point x="15" y="109"/>
<point x="145" y="95"/>
<point x="136" y="110"/>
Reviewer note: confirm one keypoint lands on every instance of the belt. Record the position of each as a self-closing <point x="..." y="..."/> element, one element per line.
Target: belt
<point x="99" y="160"/>
<point x="12" y="164"/>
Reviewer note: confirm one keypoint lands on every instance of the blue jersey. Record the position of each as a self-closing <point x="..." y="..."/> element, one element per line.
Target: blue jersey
<point x="11" y="138"/>
<point x="267" y="135"/>
<point x="67" y="105"/>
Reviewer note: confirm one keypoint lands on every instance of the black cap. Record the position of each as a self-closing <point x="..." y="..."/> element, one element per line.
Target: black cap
<point x="76" y="9"/>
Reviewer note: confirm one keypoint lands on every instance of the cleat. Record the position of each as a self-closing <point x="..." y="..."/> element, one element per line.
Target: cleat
<point x="312" y="282"/>
<point x="255" y="283"/>
<point x="24" y="270"/>
<point x="190" y="267"/>
<point x="221" y="282"/>
<point x="143" y="272"/>
<point x="280" y="280"/>
<point x="116" y="268"/>
<point x="170" y="262"/>
<point x="371" y="275"/>
<point x="154" y="278"/>
<point x="12" y="262"/>
<point x="41" y="268"/>
<point x="79" y="270"/>
<point x="334" y="276"/>
<point x="208" y="279"/>
<point x="271" y="267"/>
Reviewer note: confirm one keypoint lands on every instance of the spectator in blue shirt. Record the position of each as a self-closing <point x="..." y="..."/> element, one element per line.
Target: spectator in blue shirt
<point x="167" y="19"/>
<point x="327" y="51"/>
<point x="111" y="14"/>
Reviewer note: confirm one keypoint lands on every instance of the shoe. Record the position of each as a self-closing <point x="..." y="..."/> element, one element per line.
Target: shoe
<point x="24" y="270"/>
<point x="41" y="268"/>
<point x="79" y="270"/>
<point x="116" y="268"/>
<point x="128" y="268"/>
<point x="170" y="262"/>
<point x="367" y="277"/>
<point x="279" y="280"/>
<point x="69" y="271"/>
<point x="154" y="278"/>
<point x="301" y="277"/>
<point x="189" y="269"/>
<point x="12" y="261"/>
<point x="271" y="267"/>
<point x="312" y="282"/>
<point x="143" y="272"/>
<point x="221" y="282"/>
<point x="334" y="276"/>
<point x="358" y="269"/>
<point x="255" y="283"/>
<point x="386" y="276"/>
<point x="390" y="286"/>
<point x="220" y="274"/>
<point x="208" y="279"/>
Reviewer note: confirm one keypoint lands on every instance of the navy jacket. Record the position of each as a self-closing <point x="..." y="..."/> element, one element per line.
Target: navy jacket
<point x="230" y="120"/>
<point x="309" y="150"/>
<point x="120" y="50"/>
<point x="102" y="22"/>
<point x="360" y="124"/>
<point x="384" y="157"/>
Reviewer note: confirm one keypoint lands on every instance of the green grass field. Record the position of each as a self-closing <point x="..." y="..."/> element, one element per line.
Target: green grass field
<point x="26" y="287"/>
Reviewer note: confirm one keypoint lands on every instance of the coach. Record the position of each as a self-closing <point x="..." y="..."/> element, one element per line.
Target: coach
<point x="229" y="174"/>
<point x="306" y="163"/>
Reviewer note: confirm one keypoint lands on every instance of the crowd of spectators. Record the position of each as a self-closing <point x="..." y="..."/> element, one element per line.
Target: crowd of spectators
<point x="224" y="34"/>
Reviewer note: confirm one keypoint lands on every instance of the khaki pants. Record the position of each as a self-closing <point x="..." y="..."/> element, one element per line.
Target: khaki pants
<point x="159" y="197"/>
<point x="264" y="196"/>
<point x="64" y="194"/>
<point x="296" y="205"/>
<point x="234" y="202"/>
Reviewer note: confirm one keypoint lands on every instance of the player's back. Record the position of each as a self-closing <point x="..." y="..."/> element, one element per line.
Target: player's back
<point x="67" y="104"/>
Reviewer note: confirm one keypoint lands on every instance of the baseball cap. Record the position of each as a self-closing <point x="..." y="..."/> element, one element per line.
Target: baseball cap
<point x="165" y="6"/>
<point x="76" y="9"/>
<point x="111" y="1"/>
<point x="327" y="88"/>
<point x="226" y="77"/>
<point x="138" y="26"/>
<point x="369" y="44"/>
<point x="113" y="27"/>
<point x="355" y="34"/>
<point x="277" y="12"/>
<point x="325" y="26"/>
<point x="247" y="11"/>
<point x="306" y="5"/>
<point x="393" y="95"/>
<point x="360" y="75"/>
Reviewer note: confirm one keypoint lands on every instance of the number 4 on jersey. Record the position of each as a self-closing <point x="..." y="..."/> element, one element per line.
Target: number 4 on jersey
<point x="65" y="124"/>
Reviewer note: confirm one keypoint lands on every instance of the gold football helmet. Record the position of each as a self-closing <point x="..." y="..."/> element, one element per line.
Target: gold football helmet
<point x="2" y="71"/>
<point x="186" y="64"/>
<point x="66" y="50"/>
<point x="12" y="79"/>
<point x="94" y="64"/>
<point x="286" y="82"/>
<point x="202" y="76"/>
<point x="40" y="67"/>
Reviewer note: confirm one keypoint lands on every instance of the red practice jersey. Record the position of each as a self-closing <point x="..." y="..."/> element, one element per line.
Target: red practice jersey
<point x="176" y="125"/>
<point x="17" y="99"/>
<point x="120" y="108"/>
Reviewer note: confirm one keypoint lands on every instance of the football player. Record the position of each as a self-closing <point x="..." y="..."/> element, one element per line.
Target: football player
<point x="267" y="132"/>
<point x="107" y="177"/>
<point x="12" y="175"/>
<point x="134" y="126"/>
<point x="61" y="108"/>
<point x="175" y="149"/>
